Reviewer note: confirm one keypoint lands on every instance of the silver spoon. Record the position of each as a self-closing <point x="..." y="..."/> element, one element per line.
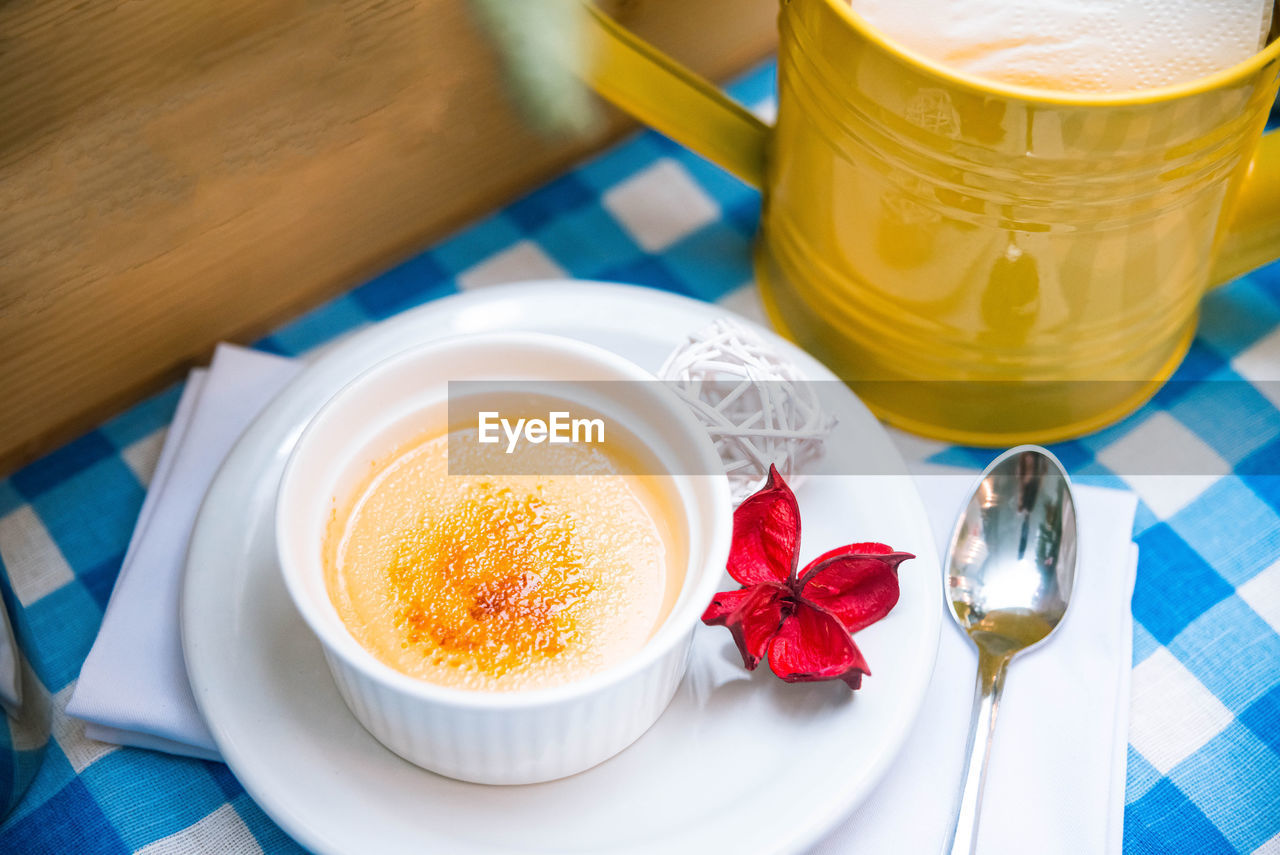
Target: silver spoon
<point x="1010" y="570"/>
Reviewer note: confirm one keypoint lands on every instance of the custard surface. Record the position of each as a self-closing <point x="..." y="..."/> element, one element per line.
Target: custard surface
<point x="501" y="582"/>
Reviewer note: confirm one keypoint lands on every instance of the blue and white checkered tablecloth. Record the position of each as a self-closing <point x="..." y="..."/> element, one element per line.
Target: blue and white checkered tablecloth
<point x="1204" y="742"/>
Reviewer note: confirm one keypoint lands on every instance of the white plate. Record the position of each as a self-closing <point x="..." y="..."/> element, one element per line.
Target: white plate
<point x="740" y="762"/>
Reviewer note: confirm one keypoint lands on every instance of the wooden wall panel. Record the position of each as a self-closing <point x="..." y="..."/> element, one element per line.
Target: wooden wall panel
<point x="176" y="173"/>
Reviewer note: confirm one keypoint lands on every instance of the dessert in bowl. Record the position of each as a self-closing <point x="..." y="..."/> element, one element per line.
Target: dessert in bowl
<point x="500" y="580"/>
<point x="492" y="613"/>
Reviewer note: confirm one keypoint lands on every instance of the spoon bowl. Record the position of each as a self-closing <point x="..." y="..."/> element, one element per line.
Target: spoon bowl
<point x="1012" y="559"/>
<point x="1010" y="571"/>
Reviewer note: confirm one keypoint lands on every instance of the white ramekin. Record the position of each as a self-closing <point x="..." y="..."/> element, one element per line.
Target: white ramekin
<point x="498" y="737"/>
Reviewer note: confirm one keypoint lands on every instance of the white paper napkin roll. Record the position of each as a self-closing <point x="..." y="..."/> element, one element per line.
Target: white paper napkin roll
<point x="1077" y="45"/>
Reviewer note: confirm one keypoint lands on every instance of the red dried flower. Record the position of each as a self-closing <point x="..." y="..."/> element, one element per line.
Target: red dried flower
<point x="803" y="622"/>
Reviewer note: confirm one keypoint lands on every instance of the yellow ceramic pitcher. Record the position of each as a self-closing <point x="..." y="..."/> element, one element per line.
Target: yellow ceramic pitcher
<point x="983" y="263"/>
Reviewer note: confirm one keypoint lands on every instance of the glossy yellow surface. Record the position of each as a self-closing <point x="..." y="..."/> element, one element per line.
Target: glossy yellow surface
<point x="984" y="263"/>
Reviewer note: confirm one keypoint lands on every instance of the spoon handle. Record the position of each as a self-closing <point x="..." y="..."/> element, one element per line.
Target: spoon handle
<point x="986" y="702"/>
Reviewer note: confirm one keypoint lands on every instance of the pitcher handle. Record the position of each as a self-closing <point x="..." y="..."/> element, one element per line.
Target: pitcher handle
<point x="1253" y="235"/>
<point x="670" y="98"/>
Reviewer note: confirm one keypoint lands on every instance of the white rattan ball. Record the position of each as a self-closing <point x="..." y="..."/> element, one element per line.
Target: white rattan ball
<point x="757" y="406"/>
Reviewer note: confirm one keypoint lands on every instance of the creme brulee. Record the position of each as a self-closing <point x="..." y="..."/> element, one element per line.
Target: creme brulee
<point x="501" y="582"/>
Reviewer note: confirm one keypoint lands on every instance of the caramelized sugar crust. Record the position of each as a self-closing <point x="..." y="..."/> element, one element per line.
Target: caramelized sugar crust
<point x="501" y="582"/>
<point x="494" y="584"/>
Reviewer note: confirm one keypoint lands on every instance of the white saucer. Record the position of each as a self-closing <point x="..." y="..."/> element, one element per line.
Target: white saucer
<point x="740" y="762"/>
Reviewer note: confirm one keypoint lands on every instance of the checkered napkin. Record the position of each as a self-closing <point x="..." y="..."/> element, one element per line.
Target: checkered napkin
<point x="1063" y="726"/>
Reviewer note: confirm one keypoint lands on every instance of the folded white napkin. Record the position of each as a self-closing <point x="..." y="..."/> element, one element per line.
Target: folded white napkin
<point x="133" y="687"/>
<point x="1056" y="780"/>
<point x="1055" y="783"/>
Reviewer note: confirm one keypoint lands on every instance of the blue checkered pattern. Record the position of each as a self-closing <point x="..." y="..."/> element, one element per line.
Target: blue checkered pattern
<point x="1204" y="755"/>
